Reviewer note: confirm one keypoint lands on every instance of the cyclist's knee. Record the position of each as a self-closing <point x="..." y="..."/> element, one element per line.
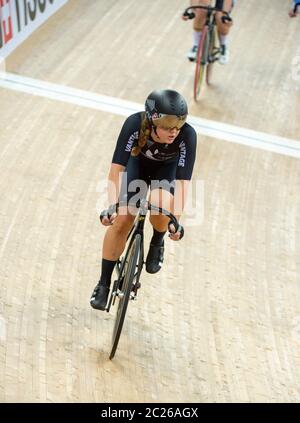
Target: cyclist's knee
<point x="200" y="15"/>
<point x="123" y="223"/>
<point x="163" y="198"/>
<point x="223" y="28"/>
<point x="199" y="20"/>
<point x="159" y="222"/>
<point x="199" y="24"/>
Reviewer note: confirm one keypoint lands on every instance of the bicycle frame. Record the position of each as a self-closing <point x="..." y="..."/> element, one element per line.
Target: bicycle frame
<point x="210" y="21"/>
<point x="138" y="228"/>
<point x="208" y="52"/>
<point x="129" y="270"/>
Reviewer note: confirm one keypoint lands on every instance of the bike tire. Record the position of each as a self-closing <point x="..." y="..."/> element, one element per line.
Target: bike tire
<point x="129" y="272"/>
<point x="211" y="53"/>
<point x="201" y="62"/>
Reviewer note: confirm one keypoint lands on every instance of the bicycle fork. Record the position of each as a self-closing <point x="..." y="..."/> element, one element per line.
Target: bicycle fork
<point x="118" y="283"/>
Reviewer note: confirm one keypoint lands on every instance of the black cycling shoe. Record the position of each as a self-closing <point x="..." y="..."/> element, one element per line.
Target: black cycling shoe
<point x="155" y="258"/>
<point x="99" y="297"/>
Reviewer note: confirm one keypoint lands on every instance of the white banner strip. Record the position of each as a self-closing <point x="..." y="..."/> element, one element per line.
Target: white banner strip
<point x="222" y="131"/>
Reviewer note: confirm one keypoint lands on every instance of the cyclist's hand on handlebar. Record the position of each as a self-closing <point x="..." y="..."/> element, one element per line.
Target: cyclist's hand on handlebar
<point x="226" y="20"/>
<point x="175" y="236"/>
<point x="108" y="216"/>
<point x="187" y="15"/>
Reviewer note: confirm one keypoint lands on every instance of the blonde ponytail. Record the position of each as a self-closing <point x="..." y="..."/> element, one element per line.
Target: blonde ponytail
<point x="143" y="136"/>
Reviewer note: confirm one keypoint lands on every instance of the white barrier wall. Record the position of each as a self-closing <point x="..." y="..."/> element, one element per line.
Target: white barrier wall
<point x="20" y="18"/>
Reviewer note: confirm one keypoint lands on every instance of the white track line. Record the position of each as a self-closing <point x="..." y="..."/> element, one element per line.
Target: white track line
<point x="231" y="133"/>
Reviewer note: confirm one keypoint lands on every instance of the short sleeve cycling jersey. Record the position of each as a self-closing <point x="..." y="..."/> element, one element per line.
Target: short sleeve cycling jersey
<point x="183" y="148"/>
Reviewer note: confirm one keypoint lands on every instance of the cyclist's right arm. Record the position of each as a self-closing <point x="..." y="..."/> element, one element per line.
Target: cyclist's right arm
<point x="125" y="142"/>
<point x="127" y="138"/>
<point x="107" y="216"/>
<point x="114" y="182"/>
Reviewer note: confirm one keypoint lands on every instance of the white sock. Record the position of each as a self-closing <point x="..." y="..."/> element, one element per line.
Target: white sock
<point x="223" y="40"/>
<point x="196" y="37"/>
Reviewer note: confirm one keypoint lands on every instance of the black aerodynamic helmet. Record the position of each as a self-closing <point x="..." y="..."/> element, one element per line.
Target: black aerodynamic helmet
<point x="166" y="108"/>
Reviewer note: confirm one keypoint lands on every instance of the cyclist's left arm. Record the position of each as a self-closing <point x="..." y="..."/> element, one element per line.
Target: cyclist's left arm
<point x="187" y="156"/>
<point x="180" y="196"/>
<point x="185" y="166"/>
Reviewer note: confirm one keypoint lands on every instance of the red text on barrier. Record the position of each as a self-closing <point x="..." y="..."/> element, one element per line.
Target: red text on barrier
<point x="6" y="27"/>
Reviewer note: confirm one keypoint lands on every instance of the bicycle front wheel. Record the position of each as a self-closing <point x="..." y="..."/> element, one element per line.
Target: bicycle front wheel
<point x="212" y="53"/>
<point x="124" y="294"/>
<point x="201" y="63"/>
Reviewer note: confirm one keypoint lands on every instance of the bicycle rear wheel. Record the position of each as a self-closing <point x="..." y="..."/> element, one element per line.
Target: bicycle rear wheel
<point x="124" y="294"/>
<point x="201" y="63"/>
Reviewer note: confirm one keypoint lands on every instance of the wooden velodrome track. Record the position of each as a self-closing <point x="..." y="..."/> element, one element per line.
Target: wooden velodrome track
<point x="221" y="321"/>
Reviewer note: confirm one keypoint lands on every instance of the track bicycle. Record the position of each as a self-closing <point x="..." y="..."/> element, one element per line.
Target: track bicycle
<point x="208" y="51"/>
<point x="129" y="269"/>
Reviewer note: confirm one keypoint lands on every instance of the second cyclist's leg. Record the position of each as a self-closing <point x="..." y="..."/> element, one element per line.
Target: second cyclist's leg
<point x="198" y="23"/>
<point x="113" y="246"/>
<point x="223" y="31"/>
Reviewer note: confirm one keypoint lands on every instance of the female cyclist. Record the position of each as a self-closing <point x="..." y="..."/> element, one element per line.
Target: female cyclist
<point x="155" y="148"/>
